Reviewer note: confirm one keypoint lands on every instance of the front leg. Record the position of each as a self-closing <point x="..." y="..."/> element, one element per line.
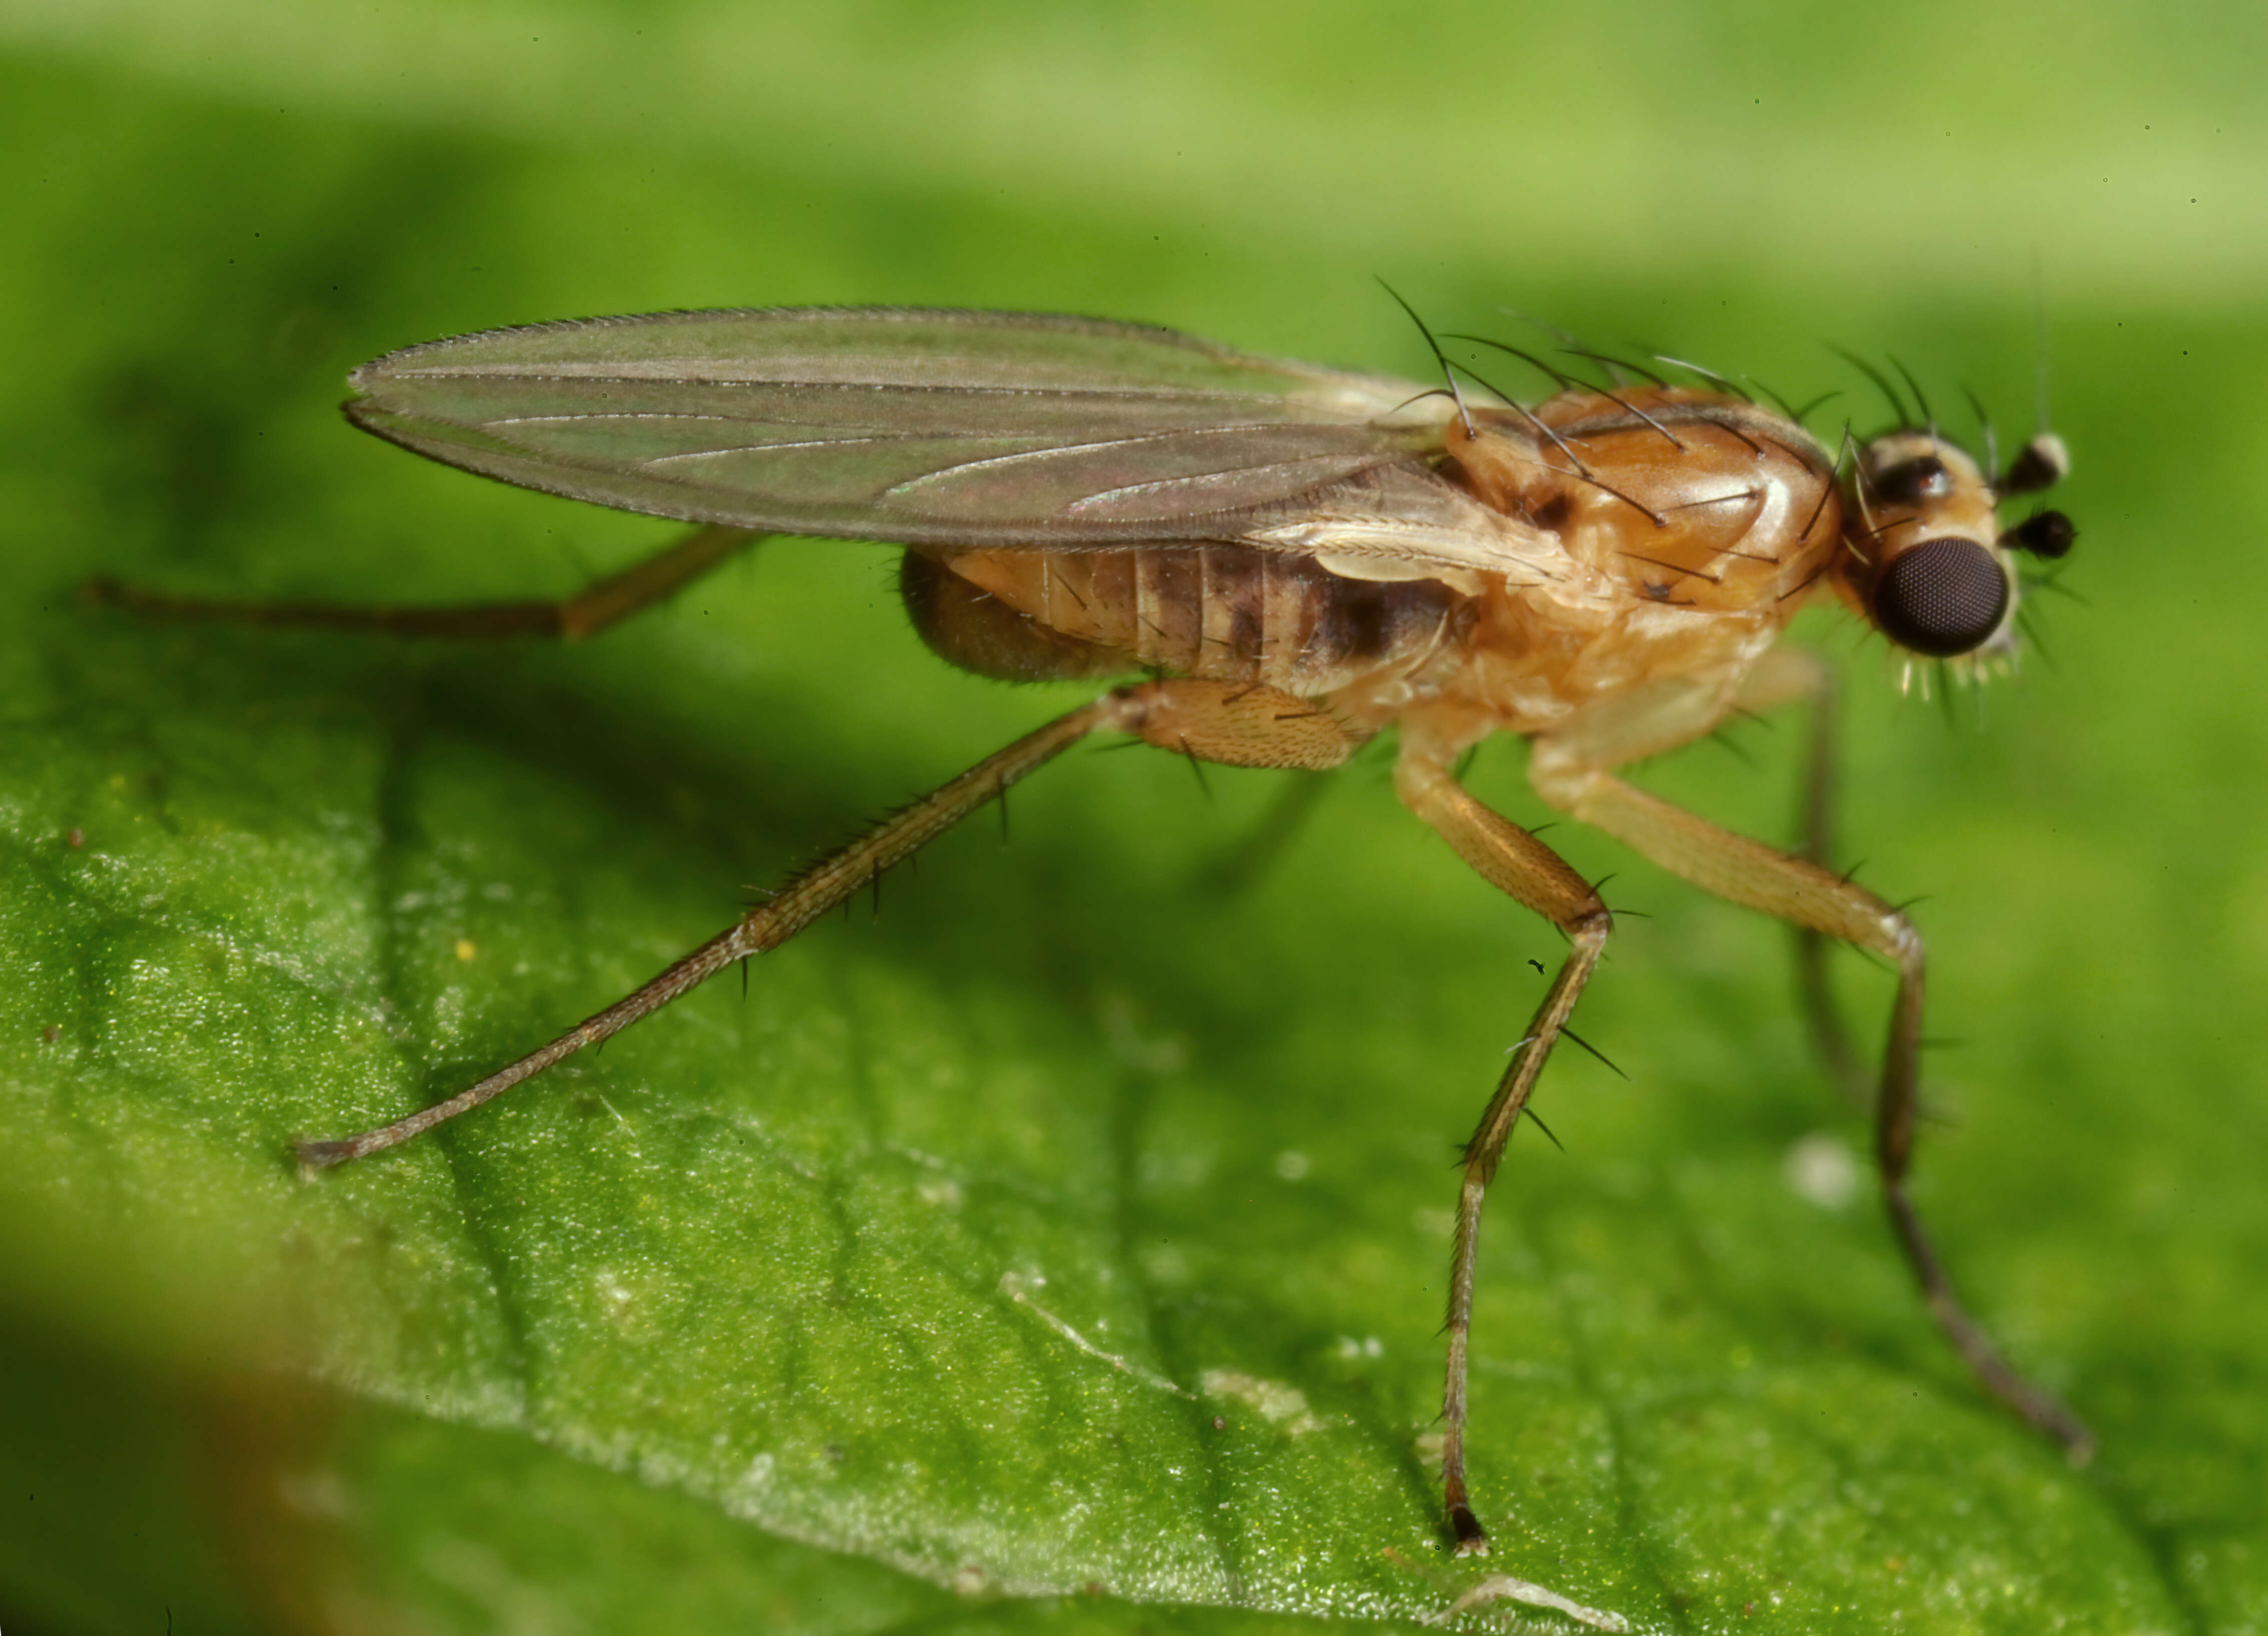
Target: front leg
<point x="1788" y="675"/>
<point x="1796" y="890"/>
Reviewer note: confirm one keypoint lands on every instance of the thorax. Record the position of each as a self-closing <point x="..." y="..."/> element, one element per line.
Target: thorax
<point x="1678" y="531"/>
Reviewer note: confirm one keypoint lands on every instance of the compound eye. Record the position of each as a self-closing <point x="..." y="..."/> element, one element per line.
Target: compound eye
<point x="1943" y="597"/>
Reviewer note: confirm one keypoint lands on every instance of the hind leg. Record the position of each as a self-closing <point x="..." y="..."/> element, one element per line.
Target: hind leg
<point x="601" y="603"/>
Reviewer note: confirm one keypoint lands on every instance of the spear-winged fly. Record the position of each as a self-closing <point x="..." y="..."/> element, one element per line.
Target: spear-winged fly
<point x="1299" y="558"/>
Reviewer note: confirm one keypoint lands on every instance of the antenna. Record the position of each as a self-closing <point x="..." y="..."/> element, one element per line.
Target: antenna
<point x="2039" y="342"/>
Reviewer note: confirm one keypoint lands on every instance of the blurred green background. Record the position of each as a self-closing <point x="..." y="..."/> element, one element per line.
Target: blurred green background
<point x="1062" y="1248"/>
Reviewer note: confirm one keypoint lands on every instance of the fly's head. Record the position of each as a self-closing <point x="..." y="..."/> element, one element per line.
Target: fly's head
<point x="1927" y="555"/>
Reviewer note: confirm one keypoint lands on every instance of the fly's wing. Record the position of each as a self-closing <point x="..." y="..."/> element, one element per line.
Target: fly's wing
<point x="943" y="428"/>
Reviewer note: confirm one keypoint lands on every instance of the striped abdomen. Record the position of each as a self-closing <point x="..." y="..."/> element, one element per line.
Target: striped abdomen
<point x="1227" y="614"/>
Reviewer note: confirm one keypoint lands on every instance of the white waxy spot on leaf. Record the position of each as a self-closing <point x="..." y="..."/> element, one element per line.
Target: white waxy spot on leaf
<point x="1821" y="1168"/>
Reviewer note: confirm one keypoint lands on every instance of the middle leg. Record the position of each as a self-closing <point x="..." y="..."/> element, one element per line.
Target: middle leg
<point x="1516" y="862"/>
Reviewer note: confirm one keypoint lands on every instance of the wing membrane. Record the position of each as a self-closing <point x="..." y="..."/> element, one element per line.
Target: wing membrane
<point x="938" y="427"/>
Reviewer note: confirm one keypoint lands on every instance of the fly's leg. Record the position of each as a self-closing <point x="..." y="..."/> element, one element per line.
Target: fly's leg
<point x="1247" y="726"/>
<point x="1796" y="890"/>
<point x="1239" y="724"/>
<point x="601" y="603"/>
<point x="1786" y="675"/>
<point x="1251" y="857"/>
<point x="1829" y="1039"/>
<point x="1516" y="862"/>
<point x="763" y="928"/>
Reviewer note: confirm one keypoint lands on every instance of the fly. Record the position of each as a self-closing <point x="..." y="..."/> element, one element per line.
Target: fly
<point x="1301" y="558"/>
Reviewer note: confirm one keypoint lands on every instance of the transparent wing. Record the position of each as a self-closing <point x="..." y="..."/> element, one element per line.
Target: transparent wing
<point x="936" y="428"/>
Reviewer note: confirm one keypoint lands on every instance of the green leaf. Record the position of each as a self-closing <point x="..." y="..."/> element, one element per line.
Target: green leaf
<point x="1061" y="1245"/>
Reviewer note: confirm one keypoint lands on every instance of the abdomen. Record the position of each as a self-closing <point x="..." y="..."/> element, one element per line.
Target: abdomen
<point x="1227" y="614"/>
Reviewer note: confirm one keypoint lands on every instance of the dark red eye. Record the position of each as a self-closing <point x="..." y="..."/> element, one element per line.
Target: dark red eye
<point x="1943" y="597"/>
<point x="1911" y="482"/>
